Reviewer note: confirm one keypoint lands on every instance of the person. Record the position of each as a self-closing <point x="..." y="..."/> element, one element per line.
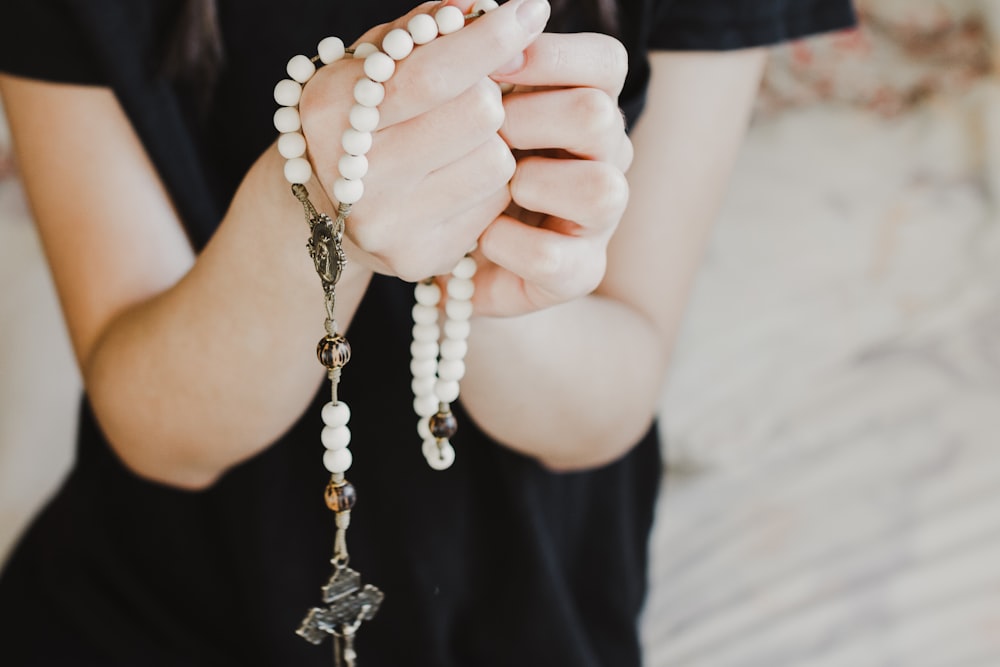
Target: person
<point x="191" y="530"/>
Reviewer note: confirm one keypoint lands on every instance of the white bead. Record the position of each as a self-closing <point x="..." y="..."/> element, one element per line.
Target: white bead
<point x="446" y="391"/>
<point x="288" y="93"/>
<point x="379" y="67"/>
<point x="442" y="457"/>
<point x="424" y="428"/>
<point x="363" y="119"/>
<point x="356" y="143"/>
<point x="454" y="349"/>
<point x="291" y="145"/>
<point x="336" y="414"/>
<point x="458" y="310"/>
<point x="336" y="437"/>
<point x="428" y="294"/>
<point x="298" y="170"/>
<point x="449" y="19"/>
<point x="353" y="166"/>
<point x="457" y="329"/>
<point x="466" y="268"/>
<point x="484" y="6"/>
<point x="461" y="289"/>
<point x="368" y="93"/>
<point x="423" y="28"/>
<point x="330" y="50"/>
<point x="301" y="68"/>
<point x="423" y="386"/>
<point x="423" y="349"/>
<point x="426" y="332"/>
<point x="338" y="460"/>
<point x="429" y="448"/>
<point x="451" y="369"/>
<point x="286" y="119"/>
<point x="425" y="406"/>
<point x="422" y="368"/>
<point x="424" y="314"/>
<point x="364" y="49"/>
<point x="397" y="44"/>
<point x="348" y="192"/>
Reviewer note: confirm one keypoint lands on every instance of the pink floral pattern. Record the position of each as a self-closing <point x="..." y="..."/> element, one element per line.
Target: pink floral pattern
<point x="903" y="52"/>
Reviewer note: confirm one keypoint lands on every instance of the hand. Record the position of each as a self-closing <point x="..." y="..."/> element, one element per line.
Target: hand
<point x="438" y="169"/>
<point x="569" y="188"/>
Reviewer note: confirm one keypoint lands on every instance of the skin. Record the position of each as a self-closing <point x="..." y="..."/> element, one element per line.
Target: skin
<point x="194" y="363"/>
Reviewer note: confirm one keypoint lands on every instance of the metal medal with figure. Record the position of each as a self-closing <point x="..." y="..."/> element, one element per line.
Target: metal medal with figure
<point x="347" y="602"/>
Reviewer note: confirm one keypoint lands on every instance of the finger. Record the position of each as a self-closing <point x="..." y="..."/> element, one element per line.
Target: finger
<point x="435" y="139"/>
<point x="534" y="267"/>
<point x="486" y="170"/>
<point x="582" y="59"/>
<point x="439" y="71"/>
<point x="591" y="194"/>
<point x="584" y="121"/>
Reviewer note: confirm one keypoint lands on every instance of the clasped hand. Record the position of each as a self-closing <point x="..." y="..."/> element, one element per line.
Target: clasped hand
<point x="536" y="177"/>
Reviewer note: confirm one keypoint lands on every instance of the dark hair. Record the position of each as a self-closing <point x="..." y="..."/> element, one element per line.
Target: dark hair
<point x="194" y="51"/>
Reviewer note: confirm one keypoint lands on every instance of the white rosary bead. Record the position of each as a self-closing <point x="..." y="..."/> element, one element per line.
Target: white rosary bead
<point x="423" y="368"/>
<point x="423" y="386"/>
<point x="461" y="289"/>
<point x="446" y="391"/>
<point x="424" y="314"/>
<point x="397" y="44"/>
<point x="348" y="192"/>
<point x="286" y="119"/>
<point x="449" y="19"/>
<point x="466" y="268"/>
<point x="442" y="457"/>
<point x="336" y="437"/>
<point x="336" y="414"/>
<point x="423" y="28"/>
<point x="363" y="50"/>
<point x="427" y="294"/>
<point x="452" y="348"/>
<point x="458" y="310"/>
<point x="484" y="6"/>
<point x="353" y="167"/>
<point x="451" y="369"/>
<point x="426" y="405"/>
<point x="363" y="119"/>
<point x="423" y="350"/>
<point x="330" y="50"/>
<point x="424" y="428"/>
<point x="368" y="93"/>
<point x="292" y="145"/>
<point x="457" y="329"/>
<point x="356" y="143"/>
<point x="424" y="332"/>
<point x="298" y="170"/>
<point x="287" y="93"/>
<point x="338" y="460"/>
<point x="379" y="67"/>
<point x="300" y="68"/>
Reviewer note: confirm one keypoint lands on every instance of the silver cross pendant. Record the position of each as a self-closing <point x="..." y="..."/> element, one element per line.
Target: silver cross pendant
<point x="348" y="605"/>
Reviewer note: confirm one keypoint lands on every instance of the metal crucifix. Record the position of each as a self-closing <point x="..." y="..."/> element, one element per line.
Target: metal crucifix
<point x="349" y="605"/>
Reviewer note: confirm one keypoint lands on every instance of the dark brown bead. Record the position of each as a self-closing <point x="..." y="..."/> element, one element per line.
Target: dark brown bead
<point x="443" y="425"/>
<point x="333" y="351"/>
<point x="341" y="497"/>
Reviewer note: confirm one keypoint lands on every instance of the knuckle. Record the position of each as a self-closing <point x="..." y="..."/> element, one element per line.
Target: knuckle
<point x="598" y="112"/>
<point x="615" y="57"/>
<point x="487" y="107"/>
<point x="609" y="188"/>
<point x="548" y="262"/>
<point x="501" y="160"/>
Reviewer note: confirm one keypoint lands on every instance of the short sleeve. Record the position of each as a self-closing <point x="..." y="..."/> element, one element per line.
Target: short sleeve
<point x="718" y="25"/>
<point x="44" y="39"/>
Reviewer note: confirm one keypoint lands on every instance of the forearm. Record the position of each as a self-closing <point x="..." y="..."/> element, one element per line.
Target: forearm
<point x="574" y="386"/>
<point x="212" y="370"/>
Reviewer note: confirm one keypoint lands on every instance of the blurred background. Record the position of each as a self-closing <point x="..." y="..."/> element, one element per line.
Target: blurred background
<point x="833" y="411"/>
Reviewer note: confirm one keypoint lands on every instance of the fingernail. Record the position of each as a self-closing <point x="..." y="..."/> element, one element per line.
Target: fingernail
<point x="532" y="14"/>
<point x="513" y="65"/>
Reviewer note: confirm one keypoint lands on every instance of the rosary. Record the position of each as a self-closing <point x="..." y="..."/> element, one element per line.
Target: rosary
<point x="437" y="361"/>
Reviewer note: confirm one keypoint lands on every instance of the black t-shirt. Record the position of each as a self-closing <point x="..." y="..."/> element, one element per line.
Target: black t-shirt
<point x="493" y="562"/>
